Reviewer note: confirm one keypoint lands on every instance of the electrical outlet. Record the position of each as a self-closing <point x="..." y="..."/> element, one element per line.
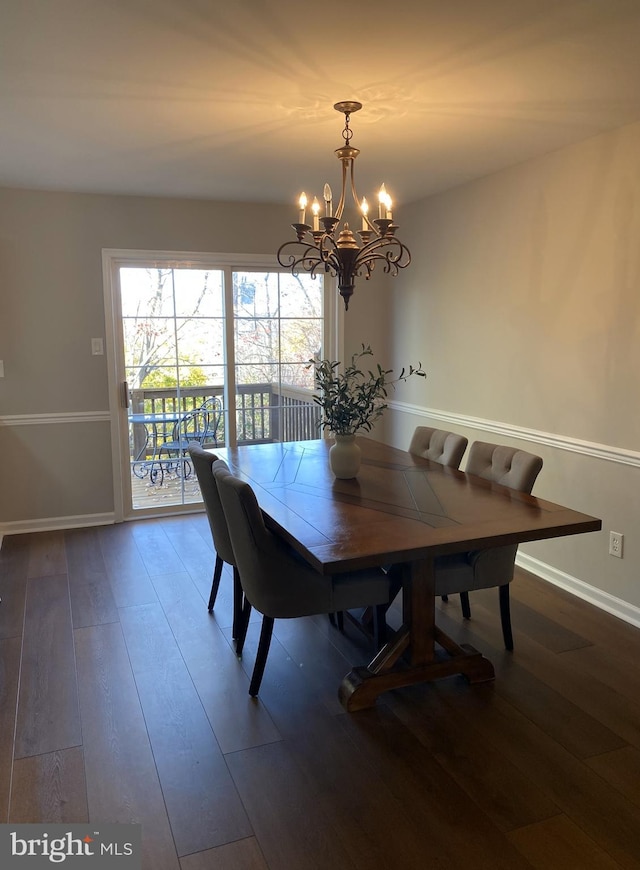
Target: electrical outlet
<point x="616" y="540"/>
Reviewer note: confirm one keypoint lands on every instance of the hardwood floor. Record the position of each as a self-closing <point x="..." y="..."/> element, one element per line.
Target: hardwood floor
<point x="123" y="700"/>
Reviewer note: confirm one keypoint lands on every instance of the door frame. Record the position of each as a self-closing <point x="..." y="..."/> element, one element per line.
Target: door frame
<point x="113" y="259"/>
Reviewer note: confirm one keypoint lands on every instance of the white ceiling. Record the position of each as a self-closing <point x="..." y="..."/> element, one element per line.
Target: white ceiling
<point x="233" y="100"/>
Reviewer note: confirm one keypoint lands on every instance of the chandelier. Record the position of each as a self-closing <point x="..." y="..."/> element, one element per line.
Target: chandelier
<point x="321" y="246"/>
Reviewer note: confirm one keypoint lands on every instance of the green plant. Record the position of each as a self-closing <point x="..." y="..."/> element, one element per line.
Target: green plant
<point x="354" y="399"/>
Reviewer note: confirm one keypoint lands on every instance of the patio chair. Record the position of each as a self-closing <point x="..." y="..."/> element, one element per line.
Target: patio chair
<point x="213" y="407"/>
<point x="276" y="580"/>
<point x="192" y="427"/>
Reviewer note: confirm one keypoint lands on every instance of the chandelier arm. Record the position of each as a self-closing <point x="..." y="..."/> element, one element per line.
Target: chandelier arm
<point x="397" y="256"/>
<point x="379" y="242"/>
<point x="309" y="258"/>
<point x="356" y="200"/>
<point x="327" y="246"/>
<point x="391" y="263"/>
<point x="340" y="206"/>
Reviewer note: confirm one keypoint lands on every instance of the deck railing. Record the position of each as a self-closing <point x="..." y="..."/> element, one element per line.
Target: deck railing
<point x="264" y="412"/>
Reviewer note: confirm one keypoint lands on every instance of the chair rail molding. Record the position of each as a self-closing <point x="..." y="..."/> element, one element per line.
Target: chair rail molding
<point x="535" y="436"/>
<point x="55" y="417"/>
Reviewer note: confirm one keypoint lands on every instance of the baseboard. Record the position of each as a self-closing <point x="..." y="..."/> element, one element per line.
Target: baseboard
<point x="51" y="524"/>
<point x="600" y="599"/>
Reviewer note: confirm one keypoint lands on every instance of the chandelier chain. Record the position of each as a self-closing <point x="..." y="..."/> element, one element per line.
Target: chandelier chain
<point x="347" y="133"/>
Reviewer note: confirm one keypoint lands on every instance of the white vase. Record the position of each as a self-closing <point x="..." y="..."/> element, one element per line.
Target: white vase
<point x="344" y="456"/>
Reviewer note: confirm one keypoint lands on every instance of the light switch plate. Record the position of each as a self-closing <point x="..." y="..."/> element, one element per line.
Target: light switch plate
<point x="97" y="347"/>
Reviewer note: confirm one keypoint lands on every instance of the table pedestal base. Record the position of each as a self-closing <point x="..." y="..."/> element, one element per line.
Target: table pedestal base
<point x="362" y="685"/>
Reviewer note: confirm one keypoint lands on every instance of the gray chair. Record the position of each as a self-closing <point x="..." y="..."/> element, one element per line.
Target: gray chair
<point x="203" y="461"/>
<point x="441" y="446"/>
<point x="276" y="581"/>
<point x="480" y="569"/>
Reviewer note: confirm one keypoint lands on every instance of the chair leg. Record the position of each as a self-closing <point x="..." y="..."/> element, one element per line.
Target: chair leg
<point x="444" y="597"/>
<point x="505" y="616"/>
<point x="217" y="574"/>
<point x="261" y="656"/>
<point x="466" y="607"/>
<point x="243" y="625"/>
<point x="237" y="603"/>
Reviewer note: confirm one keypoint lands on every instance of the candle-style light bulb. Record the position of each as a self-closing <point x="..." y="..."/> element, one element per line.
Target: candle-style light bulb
<point x="328" y="197"/>
<point x="315" y="208"/>
<point x="364" y="208"/>
<point x="302" y="202"/>
<point x="382" y="201"/>
<point x="388" y="208"/>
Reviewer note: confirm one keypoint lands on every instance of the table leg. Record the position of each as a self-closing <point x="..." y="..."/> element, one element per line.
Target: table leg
<point x="411" y="657"/>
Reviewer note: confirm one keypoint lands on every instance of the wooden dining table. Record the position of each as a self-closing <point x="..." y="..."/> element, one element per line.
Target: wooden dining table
<point x="400" y="510"/>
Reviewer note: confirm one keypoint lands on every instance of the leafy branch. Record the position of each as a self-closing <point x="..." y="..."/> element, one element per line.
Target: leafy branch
<point x="354" y="399"/>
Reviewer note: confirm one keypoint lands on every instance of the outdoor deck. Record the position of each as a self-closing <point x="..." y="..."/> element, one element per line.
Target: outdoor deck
<point x="264" y="413"/>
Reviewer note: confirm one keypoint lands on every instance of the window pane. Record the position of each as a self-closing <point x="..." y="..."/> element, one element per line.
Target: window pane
<point x="256" y="294"/>
<point x="199" y="293"/>
<point x="257" y="341"/>
<point x="149" y="343"/>
<point x="300" y="296"/>
<point x="300" y="340"/>
<point x="146" y="292"/>
<point x="300" y="376"/>
<point x="200" y="341"/>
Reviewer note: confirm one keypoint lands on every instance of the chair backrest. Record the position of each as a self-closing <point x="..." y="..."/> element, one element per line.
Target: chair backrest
<point x="438" y="445"/>
<point x="213" y="407"/>
<point x="275" y="580"/>
<point x="192" y="426"/>
<point x="203" y="461"/>
<point x="510" y="467"/>
<point x="507" y="466"/>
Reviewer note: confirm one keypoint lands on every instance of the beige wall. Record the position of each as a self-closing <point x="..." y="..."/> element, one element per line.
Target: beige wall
<point x="523" y="302"/>
<point x="51" y="305"/>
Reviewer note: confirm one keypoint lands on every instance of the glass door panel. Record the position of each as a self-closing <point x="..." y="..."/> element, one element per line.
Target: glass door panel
<point x="173" y="329"/>
<point x="278" y="327"/>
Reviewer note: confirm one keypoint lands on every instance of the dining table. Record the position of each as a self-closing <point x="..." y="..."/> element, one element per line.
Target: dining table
<point x="400" y="510"/>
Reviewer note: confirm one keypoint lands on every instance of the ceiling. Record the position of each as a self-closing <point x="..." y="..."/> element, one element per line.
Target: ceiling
<point x="233" y="100"/>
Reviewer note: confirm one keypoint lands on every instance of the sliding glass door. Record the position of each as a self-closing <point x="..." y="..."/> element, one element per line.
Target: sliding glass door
<point x="207" y="352"/>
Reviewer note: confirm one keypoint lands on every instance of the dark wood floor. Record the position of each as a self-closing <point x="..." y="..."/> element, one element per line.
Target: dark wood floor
<point x="122" y="700"/>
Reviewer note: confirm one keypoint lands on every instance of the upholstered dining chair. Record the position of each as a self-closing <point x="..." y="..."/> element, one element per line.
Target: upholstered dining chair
<point x="276" y="581"/>
<point x="479" y="569"/>
<point x="203" y="461"/>
<point x="441" y="446"/>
